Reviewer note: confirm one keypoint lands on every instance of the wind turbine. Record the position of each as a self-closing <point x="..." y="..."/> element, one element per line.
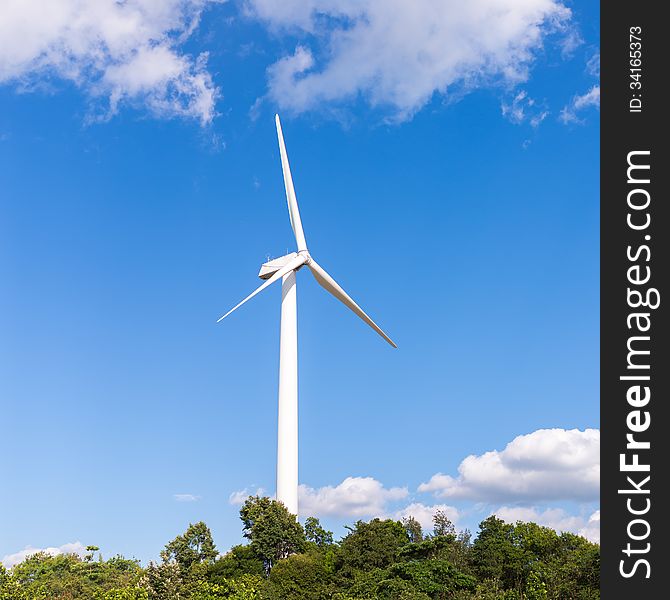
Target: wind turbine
<point x="285" y="268"/>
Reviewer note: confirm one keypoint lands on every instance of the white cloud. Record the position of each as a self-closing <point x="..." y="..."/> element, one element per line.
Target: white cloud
<point x="548" y="464"/>
<point x="127" y="52"/>
<point x="398" y="54"/>
<point x="354" y="497"/>
<point x="186" y="497"/>
<point x="424" y="514"/>
<point x="591" y="98"/>
<point x="580" y="102"/>
<point x="571" y="42"/>
<point x="14" y="559"/>
<point x="593" y="65"/>
<point x="523" y="108"/>
<point x="515" y="110"/>
<point x="237" y="498"/>
<point x="556" y="518"/>
<point x="537" y="118"/>
<point x="591" y="531"/>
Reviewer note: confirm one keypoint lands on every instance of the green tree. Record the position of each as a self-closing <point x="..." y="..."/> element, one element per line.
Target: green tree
<point x="133" y="593"/>
<point x="274" y="533"/>
<point x="164" y="581"/>
<point x="413" y="529"/>
<point x="316" y="534"/>
<point x="239" y="560"/>
<point x="493" y="549"/>
<point x="245" y="588"/>
<point x="91" y="551"/>
<point x="436" y="578"/>
<point x="399" y="589"/>
<point x="574" y="570"/>
<point x="299" y="577"/>
<point x="195" y="546"/>
<point x="535" y="589"/>
<point x="371" y="545"/>
<point x="442" y="525"/>
<point x="377" y="560"/>
<point x="42" y="576"/>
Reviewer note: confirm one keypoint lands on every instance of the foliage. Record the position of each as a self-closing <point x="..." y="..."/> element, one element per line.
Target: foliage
<point x="376" y="560"/>
<point x="413" y="529"/>
<point x="238" y="561"/>
<point x="273" y="531"/>
<point x="316" y="534"/>
<point x="195" y="546"/>
<point x="442" y="525"/>
<point x="164" y="581"/>
<point x="371" y="545"/>
<point x="42" y="576"/>
<point x="299" y="577"/>
<point x="245" y="588"/>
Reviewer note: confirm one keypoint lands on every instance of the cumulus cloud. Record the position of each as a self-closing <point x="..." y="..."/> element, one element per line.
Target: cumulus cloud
<point x="354" y="497"/>
<point x="14" y="559"/>
<point x="548" y="464"/>
<point x="556" y="518"/>
<point x="591" y="531"/>
<point x="238" y="497"/>
<point x="125" y="52"/>
<point x="399" y="54"/>
<point x="424" y="514"/>
<point x="186" y="497"/>
<point x="569" y="113"/>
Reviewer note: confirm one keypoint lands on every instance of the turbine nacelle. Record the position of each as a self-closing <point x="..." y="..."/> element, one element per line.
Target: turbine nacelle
<point x="269" y="268"/>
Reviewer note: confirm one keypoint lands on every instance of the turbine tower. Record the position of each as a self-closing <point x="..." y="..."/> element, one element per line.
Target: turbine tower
<point x="285" y="268"/>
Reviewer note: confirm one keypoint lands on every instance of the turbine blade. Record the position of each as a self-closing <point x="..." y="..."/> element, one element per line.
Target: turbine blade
<point x="290" y="266"/>
<point x="293" y="212"/>
<point x="330" y="285"/>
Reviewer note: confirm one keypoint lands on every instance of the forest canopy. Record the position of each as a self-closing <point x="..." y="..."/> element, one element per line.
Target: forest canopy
<point x="284" y="559"/>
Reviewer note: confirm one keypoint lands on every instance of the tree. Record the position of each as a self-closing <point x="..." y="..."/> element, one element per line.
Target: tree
<point x="132" y="593"/>
<point x="245" y="588"/>
<point x="574" y="570"/>
<point x="195" y="546"/>
<point x="442" y="525"/>
<point x="316" y="534"/>
<point x="413" y="529"/>
<point x="430" y="548"/>
<point x="435" y="577"/>
<point x="493" y="548"/>
<point x="274" y="533"/>
<point x="42" y="576"/>
<point x="371" y="545"/>
<point x="163" y="581"/>
<point x="91" y="550"/>
<point x="380" y="560"/>
<point x="299" y="577"/>
<point x="239" y="560"/>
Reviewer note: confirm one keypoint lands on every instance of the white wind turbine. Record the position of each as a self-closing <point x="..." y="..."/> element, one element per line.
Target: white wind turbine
<point x="285" y="268"/>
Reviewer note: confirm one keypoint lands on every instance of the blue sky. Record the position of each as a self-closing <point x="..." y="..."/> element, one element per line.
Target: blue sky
<point x="451" y="188"/>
